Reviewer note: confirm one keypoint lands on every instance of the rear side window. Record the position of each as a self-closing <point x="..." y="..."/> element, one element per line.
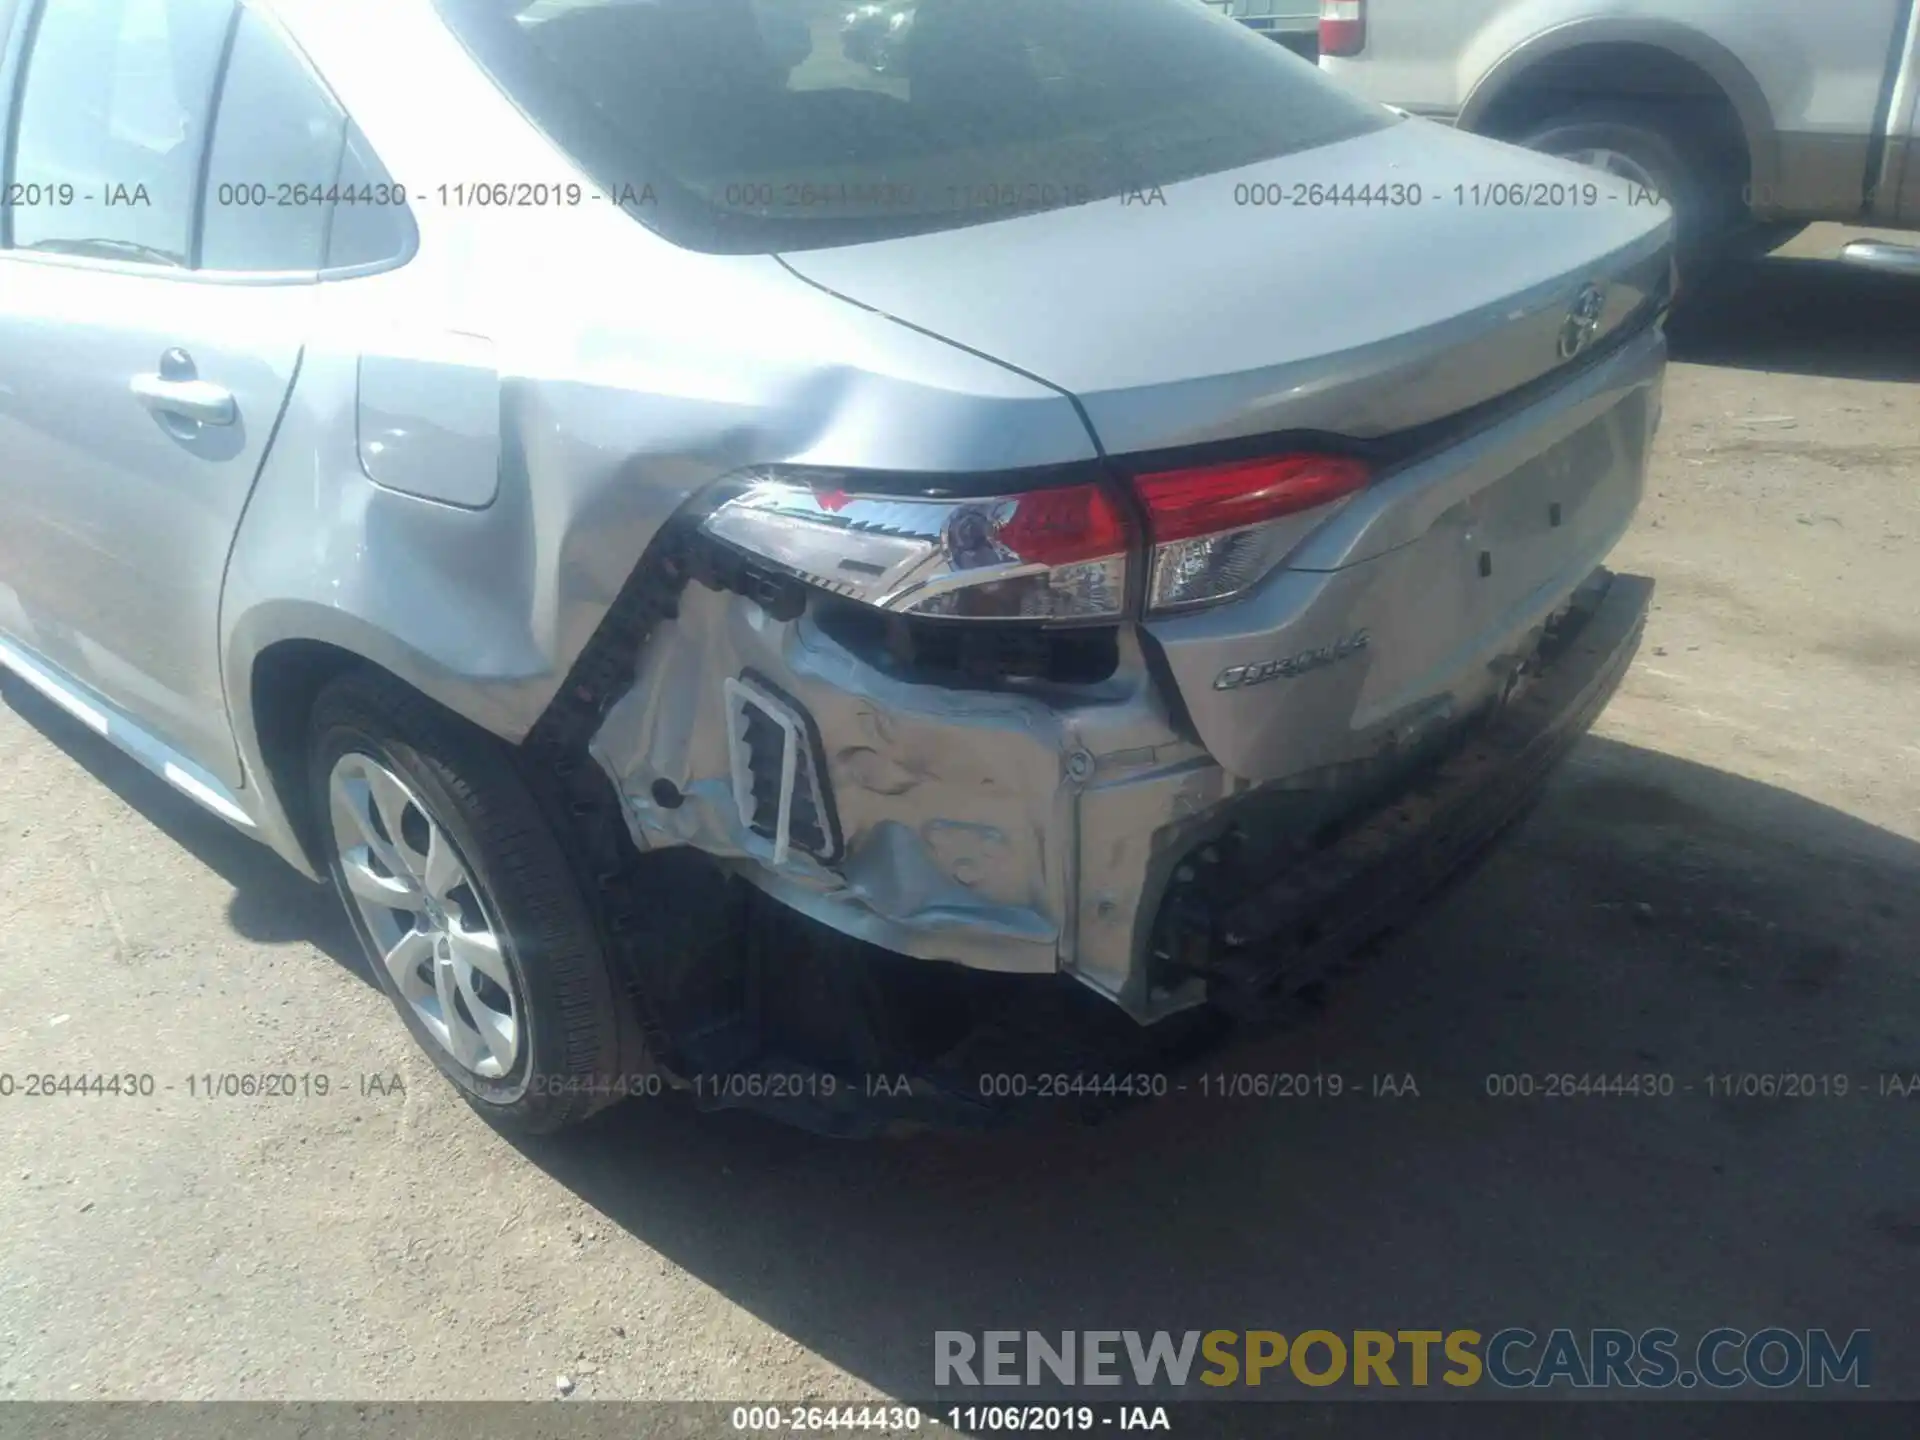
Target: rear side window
<point x="782" y="124"/>
<point x="135" y="143"/>
<point x="276" y="147"/>
<point x="371" y="223"/>
<point x="291" y="182"/>
<point x="112" y="125"/>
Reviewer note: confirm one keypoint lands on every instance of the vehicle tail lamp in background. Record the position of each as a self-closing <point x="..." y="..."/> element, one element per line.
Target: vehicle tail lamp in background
<point x="1217" y="530"/>
<point x="1343" y="27"/>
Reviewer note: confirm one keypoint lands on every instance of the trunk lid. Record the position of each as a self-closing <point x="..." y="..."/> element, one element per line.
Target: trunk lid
<point x="1419" y="600"/>
<point x="1305" y="293"/>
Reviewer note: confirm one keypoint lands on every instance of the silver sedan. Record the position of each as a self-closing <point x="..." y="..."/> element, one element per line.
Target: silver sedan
<point x="751" y="570"/>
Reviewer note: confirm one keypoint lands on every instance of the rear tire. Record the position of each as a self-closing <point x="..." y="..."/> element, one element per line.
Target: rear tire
<point x="472" y="920"/>
<point x="1642" y="147"/>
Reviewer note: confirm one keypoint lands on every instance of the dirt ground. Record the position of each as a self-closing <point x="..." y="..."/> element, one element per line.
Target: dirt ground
<point x="1725" y="879"/>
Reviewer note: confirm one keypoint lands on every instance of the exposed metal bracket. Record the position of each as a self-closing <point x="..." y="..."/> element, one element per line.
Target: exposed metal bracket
<point x="739" y="699"/>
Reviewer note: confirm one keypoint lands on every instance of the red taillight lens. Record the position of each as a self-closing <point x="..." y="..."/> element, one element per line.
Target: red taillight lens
<point x="1218" y="529"/>
<point x="1060" y="527"/>
<point x="1213" y="498"/>
<point x="1343" y="27"/>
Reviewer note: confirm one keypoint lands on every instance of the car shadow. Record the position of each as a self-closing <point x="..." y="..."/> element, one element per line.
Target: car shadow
<point x="1652" y="917"/>
<point x="272" y="903"/>
<point x="1803" y="316"/>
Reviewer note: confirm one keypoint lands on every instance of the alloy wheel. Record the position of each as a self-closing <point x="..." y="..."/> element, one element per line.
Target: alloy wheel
<point x="429" y="921"/>
<point x="1617" y="163"/>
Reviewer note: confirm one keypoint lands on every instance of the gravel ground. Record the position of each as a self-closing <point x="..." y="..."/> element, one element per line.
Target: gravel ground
<point x="1726" y="878"/>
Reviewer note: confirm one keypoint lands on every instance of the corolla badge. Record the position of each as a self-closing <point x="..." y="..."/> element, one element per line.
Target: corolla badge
<point x="1582" y="325"/>
<point x="1238" y="677"/>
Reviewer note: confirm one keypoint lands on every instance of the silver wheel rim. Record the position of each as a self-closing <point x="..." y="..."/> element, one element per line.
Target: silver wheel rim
<point x="430" y="924"/>
<point x="1613" y="162"/>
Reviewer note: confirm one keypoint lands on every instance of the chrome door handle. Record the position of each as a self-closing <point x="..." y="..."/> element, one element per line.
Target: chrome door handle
<point x="198" y="400"/>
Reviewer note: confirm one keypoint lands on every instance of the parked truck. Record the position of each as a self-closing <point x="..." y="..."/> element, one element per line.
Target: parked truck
<point x="1754" y="117"/>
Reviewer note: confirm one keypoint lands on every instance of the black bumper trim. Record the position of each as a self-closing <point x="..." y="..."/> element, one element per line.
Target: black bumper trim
<point x="1370" y="879"/>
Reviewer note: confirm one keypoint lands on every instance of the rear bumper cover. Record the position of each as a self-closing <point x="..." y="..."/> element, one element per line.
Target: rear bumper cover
<point x="1253" y="943"/>
<point x="1050" y="1044"/>
<point x="1014" y="833"/>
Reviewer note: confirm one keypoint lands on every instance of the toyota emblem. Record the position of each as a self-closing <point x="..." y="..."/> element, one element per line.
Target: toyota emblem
<point x="1582" y="324"/>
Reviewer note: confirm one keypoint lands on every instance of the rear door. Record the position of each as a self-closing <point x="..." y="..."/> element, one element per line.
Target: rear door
<point x="155" y="290"/>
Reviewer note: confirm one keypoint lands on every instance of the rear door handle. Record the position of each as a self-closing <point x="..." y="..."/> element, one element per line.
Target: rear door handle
<point x="198" y="400"/>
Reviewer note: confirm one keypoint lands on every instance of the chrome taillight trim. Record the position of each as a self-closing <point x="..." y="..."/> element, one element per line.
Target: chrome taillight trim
<point x="908" y="554"/>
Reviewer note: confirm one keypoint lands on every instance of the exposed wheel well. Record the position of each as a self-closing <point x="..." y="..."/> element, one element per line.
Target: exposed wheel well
<point x="1692" y="106"/>
<point x="287" y="677"/>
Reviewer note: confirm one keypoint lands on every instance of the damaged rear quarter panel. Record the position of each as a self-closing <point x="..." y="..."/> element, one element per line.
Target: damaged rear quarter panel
<point x="950" y="802"/>
<point x="629" y="378"/>
<point x="961" y="809"/>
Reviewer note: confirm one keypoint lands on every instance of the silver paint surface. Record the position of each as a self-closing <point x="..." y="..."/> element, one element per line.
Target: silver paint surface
<point x="1427" y="310"/>
<point x="429" y="420"/>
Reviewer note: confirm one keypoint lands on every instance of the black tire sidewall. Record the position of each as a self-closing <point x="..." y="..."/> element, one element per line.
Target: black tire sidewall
<point x="548" y="944"/>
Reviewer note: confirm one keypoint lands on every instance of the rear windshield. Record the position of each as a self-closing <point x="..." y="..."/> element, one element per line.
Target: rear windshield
<point x="762" y="125"/>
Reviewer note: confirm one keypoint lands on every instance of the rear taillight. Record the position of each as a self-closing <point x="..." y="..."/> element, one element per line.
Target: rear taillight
<point x="1057" y="554"/>
<point x="1343" y="27"/>
<point x="1217" y="530"/>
